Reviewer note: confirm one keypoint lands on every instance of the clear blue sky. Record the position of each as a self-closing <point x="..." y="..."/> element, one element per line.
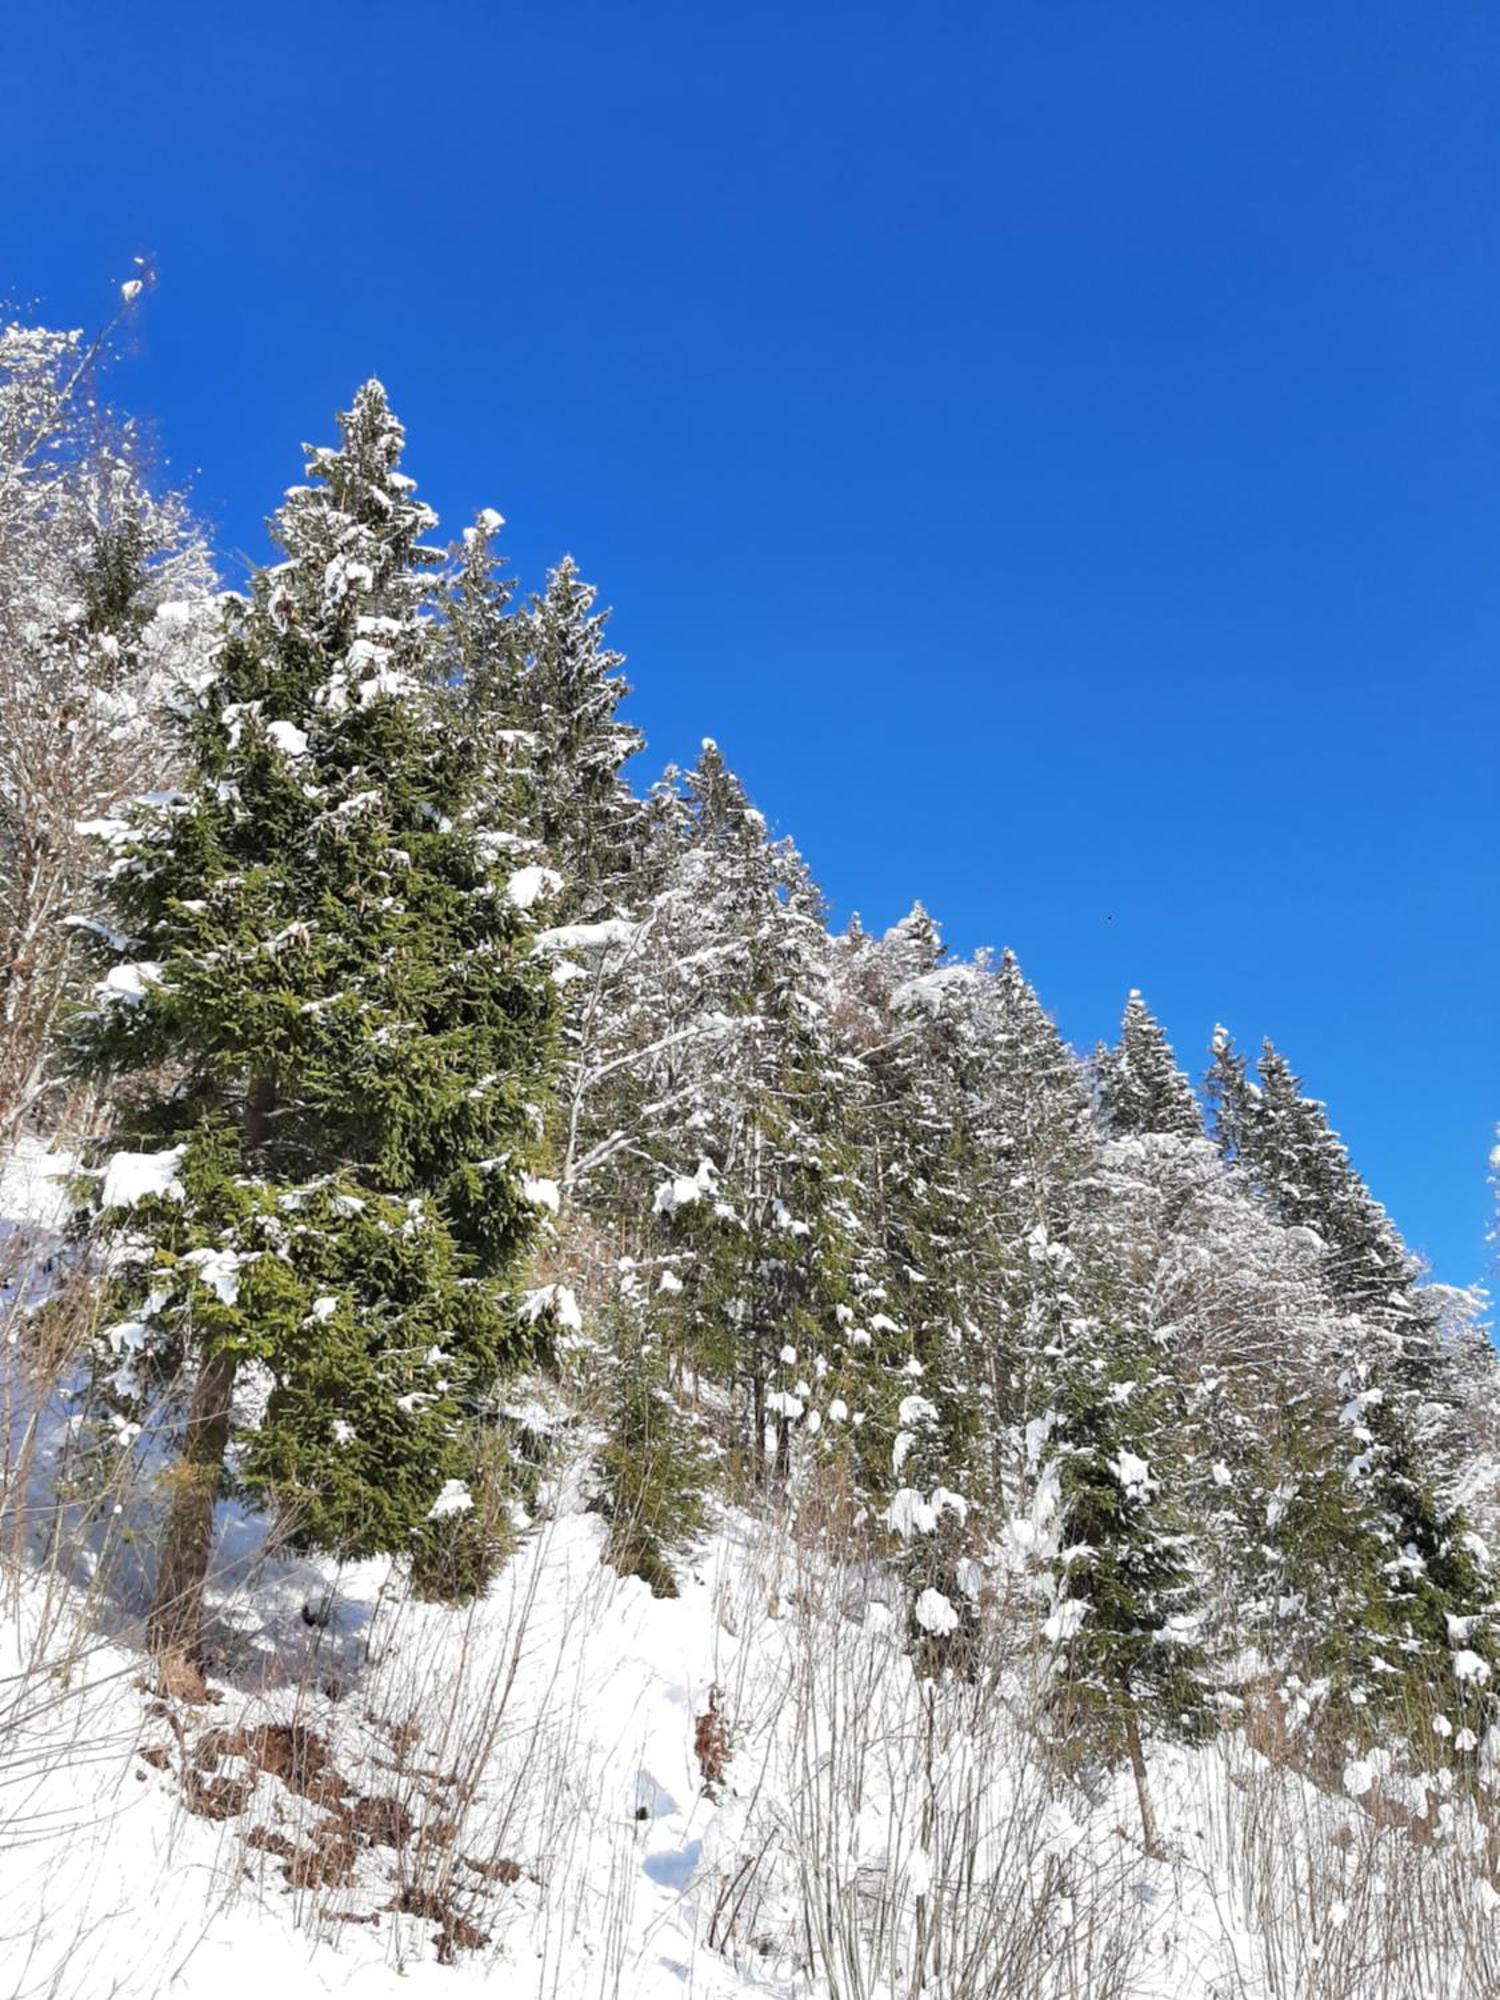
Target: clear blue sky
<point x="1053" y="447"/>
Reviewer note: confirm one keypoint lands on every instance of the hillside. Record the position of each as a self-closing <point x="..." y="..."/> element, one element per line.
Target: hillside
<point x="566" y="1422"/>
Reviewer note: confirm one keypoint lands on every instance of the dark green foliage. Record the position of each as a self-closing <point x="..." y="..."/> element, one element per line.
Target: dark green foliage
<point x="341" y="1025"/>
<point x="1127" y="1557"/>
<point x="455" y="1556"/>
<point x="760" y="1206"/>
<point x="568" y="688"/>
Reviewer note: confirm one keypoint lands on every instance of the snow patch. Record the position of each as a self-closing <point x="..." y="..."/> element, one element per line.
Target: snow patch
<point x="455" y="1498"/>
<point x="135" y="1177"/>
<point x="529" y="886"/>
<point x="934" y="1613"/>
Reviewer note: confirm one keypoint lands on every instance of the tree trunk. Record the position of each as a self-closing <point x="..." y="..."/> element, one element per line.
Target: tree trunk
<point x="175" y="1627"/>
<point x="1153" y="1844"/>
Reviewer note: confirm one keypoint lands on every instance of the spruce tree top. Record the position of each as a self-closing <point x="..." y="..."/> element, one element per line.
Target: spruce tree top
<point x="570" y="689"/>
<point x="1304" y="1170"/>
<point x="1144" y="1090"/>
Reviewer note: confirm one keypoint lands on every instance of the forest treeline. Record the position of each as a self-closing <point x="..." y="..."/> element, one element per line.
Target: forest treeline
<point x="438" y="1088"/>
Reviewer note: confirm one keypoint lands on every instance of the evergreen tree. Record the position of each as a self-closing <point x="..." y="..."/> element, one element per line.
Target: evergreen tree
<point x="1417" y="1561"/>
<point x="738" y="1101"/>
<point x="542" y="690"/>
<point x="1143" y="1089"/>
<point x="569" y="690"/>
<point x="1033" y="1117"/>
<point x="1127" y="1612"/>
<point x="1234" y="1305"/>
<point x="652" y="1469"/>
<point x="1302" y="1167"/>
<point x="1229" y="1092"/>
<point x="909" y="1014"/>
<point x="104" y="605"/>
<point x="481" y="652"/>
<point x="1082" y="1400"/>
<point x="331" y="1048"/>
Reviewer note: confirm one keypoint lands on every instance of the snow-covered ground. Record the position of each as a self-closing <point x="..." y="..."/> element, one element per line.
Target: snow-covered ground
<point x="552" y="1728"/>
<point x="415" y="1799"/>
<point x="34" y="1202"/>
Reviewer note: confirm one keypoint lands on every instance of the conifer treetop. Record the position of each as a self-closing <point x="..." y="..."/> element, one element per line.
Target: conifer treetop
<point x="1144" y="1091"/>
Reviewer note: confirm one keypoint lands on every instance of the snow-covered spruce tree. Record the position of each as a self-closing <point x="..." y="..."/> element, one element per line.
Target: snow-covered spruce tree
<point x="1127" y="1619"/>
<point x="983" y="1179"/>
<point x="1031" y="1113"/>
<point x="1229" y="1091"/>
<point x="1085" y="1405"/>
<point x="543" y="689"/>
<point x="989" y="1130"/>
<point x="654" y="999"/>
<point x="1303" y="1168"/>
<point x="739" y="1103"/>
<point x="569" y="690"/>
<point x="539" y="683"/>
<point x="1142" y="1088"/>
<point x="1297" y="1162"/>
<point x="330" y="1050"/>
<point x="481" y="645"/>
<point x="921" y="1173"/>
<point x="1421" y="1626"/>
<point x="1228" y="1300"/>
<point x="1233" y="1303"/>
<point x="1470" y="1339"/>
<point x="905" y="1361"/>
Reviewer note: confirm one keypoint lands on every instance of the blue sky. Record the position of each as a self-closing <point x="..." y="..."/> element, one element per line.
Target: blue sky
<point x="1051" y="446"/>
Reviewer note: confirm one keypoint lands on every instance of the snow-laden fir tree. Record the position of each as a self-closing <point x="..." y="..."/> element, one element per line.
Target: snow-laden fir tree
<point x="1141" y="1086"/>
<point x="907" y="1360"/>
<point x="1126" y="1617"/>
<point x="1474" y="1366"/>
<point x="1229" y="1092"/>
<point x="1084" y="1414"/>
<point x="331" y="1046"/>
<point x="1285" y="1146"/>
<point x="1234" y="1305"/>
<point x="734" y="1099"/>
<point x="1300" y="1164"/>
<point x="569" y="691"/>
<point x="1032" y="1114"/>
<point x="481" y="643"/>
<point x="541" y="688"/>
<point x="1424" y="1577"/>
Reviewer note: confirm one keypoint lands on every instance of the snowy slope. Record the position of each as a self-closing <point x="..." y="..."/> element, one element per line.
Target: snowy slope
<point x="539" y="1806"/>
<point x="565" y="1706"/>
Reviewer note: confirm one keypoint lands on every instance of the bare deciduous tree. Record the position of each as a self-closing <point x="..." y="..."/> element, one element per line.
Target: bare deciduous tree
<point x="105" y="601"/>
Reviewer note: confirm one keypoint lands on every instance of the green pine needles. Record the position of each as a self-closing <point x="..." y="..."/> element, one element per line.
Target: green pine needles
<point x="333" y="1044"/>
